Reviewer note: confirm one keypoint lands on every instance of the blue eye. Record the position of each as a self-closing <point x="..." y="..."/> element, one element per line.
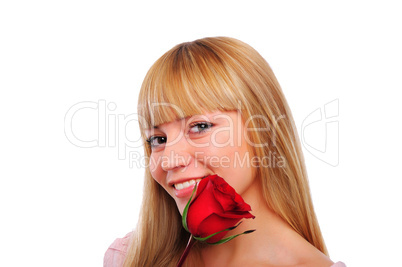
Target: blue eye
<point x="155" y="141"/>
<point x="200" y="127"/>
<point x="195" y="128"/>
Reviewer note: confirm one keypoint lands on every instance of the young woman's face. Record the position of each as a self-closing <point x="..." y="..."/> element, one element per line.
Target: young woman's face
<point x="186" y="150"/>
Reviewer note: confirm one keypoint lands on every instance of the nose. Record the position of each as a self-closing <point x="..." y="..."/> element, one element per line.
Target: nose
<point x="177" y="154"/>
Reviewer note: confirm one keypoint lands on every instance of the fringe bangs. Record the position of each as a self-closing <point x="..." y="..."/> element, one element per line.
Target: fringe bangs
<point x="184" y="82"/>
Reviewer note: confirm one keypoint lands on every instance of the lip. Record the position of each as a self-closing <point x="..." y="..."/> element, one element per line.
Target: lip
<point x="186" y="192"/>
<point x="182" y="180"/>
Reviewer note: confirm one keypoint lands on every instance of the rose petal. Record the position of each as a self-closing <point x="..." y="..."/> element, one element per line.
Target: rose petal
<point x="201" y="187"/>
<point x="226" y="200"/>
<point x="214" y="223"/>
<point x="242" y="214"/>
<point x="216" y="207"/>
<point x="202" y="207"/>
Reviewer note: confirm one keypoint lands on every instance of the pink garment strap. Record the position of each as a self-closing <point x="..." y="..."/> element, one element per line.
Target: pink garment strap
<point x="339" y="264"/>
<point x="116" y="253"/>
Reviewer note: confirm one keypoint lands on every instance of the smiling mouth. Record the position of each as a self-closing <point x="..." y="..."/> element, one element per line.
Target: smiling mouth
<point x="180" y="186"/>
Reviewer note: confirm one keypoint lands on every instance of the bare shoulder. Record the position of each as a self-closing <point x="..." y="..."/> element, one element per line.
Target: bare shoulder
<point x="314" y="257"/>
<point x="305" y="254"/>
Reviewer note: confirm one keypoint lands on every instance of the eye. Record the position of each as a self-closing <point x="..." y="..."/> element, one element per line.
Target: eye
<point x="200" y="127"/>
<point x="155" y="141"/>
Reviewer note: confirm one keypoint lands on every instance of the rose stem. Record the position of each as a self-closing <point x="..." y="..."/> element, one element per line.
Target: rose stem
<point x="183" y="257"/>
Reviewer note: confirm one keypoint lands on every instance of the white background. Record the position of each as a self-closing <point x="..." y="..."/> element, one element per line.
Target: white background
<point x="62" y="205"/>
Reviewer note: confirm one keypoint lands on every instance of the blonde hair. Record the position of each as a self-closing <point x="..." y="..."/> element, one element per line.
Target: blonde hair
<point x="211" y="74"/>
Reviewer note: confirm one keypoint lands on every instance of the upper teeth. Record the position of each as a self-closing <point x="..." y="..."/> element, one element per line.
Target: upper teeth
<point x="186" y="184"/>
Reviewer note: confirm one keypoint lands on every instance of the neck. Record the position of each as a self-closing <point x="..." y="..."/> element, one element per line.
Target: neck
<point x="273" y="243"/>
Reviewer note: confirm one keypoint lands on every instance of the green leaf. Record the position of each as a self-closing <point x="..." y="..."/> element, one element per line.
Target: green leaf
<point x="231" y="237"/>
<point x="208" y="237"/>
<point x="184" y="218"/>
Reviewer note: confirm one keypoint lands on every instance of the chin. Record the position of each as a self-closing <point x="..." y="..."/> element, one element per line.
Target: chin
<point x="180" y="207"/>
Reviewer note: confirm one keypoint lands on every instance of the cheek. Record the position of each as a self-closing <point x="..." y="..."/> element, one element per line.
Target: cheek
<point x="155" y="169"/>
<point x="231" y="149"/>
<point x="234" y="165"/>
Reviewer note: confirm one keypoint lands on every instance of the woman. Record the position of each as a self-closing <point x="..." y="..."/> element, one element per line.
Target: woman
<point x="214" y="106"/>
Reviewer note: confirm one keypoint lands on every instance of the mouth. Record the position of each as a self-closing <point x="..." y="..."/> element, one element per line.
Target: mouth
<point x="185" y="189"/>
<point x="186" y="184"/>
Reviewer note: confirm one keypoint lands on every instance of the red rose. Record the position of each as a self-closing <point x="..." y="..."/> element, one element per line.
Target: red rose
<point x="216" y="207"/>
